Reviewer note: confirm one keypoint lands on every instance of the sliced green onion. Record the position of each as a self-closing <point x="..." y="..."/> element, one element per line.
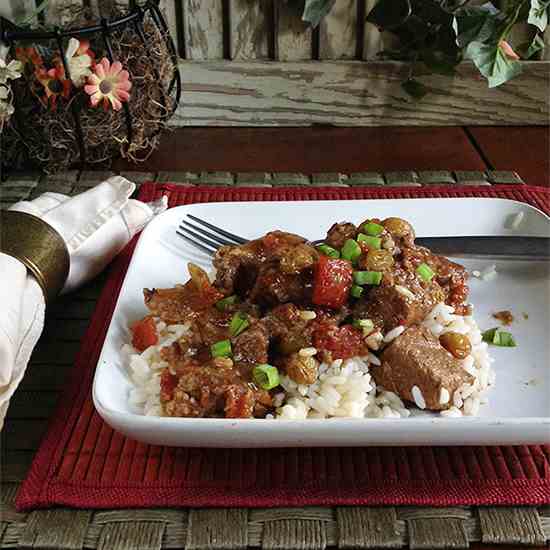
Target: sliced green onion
<point x="351" y="250"/>
<point x="221" y="349"/>
<point x="239" y="322"/>
<point x="367" y="277"/>
<point x="225" y="302"/>
<point x="489" y="335"/>
<point x="506" y="340"/>
<point x="373" y="229"/>
<point x="425" y="272"/>
<point x="356" y="291"/>
<point x="371" y="242"/>
<point x="365" y="324"/>
<point x="499" y="338"/>
<point x="328" y="251"/>
<point x="266" y="376"/>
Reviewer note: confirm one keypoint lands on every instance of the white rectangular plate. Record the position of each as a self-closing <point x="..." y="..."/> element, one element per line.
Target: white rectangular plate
<point x="519" y="406"/>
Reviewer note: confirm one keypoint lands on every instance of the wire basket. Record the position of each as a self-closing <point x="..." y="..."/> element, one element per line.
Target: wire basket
<point x="55" y="123"/>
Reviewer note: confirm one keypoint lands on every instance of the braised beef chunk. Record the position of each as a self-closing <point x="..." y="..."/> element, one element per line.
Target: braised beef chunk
<point x="274" y="287"/>
<point x="274" y="269"/>
<point x="391" y="306"/>
<point x="251" y="346"/>
<point x="213" y="326"/>
<point x="416" y="358"/>
<point x="199" y="391"/>
<point x="288" y="331"/>
<point x="239" y="402"/>
<point x="173" y="305"/>
<point x="452" y="277"/>
<point x="183" y="302"/>
<point x="339" y="233"/>
<point x="236" y="268"/>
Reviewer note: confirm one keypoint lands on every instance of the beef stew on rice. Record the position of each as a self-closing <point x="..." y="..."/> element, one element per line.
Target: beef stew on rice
<point x="368" y="324"/>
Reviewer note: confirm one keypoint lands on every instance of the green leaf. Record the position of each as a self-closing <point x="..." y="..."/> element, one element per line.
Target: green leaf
<point x="536" y="46"/>
<point x="315" y="10"/>
<point x="415" y="89"/>
<point x="388" y="14"/>
<point x="477" y="23"/>
<point x="492" y="63"/>
<point x="526" y="50"/>
<point x="538" y="14"/>
<point x="27" y="20"/>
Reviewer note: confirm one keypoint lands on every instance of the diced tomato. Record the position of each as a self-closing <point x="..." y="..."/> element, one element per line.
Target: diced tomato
<point x="341" y="342"/>
<point x="168" y="383"/>
<point x="332" y="281"/>
<point x="144" y="334"/>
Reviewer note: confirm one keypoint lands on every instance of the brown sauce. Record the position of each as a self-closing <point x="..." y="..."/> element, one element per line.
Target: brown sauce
<point x="505" y="317"/>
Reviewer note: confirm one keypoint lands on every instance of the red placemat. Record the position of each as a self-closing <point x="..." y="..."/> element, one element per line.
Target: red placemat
<point x="83" y="463"/>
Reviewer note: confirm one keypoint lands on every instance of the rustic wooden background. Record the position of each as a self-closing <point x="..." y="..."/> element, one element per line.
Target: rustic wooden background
<point x="254" y="63"/>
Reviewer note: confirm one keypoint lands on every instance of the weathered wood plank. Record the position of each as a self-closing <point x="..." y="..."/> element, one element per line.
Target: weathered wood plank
<point x="338" y="31"/>
<point x="203" y="26"/>
<point x="546" y="51"/>
<point x="15" y="10"/>
<point x="59" y="12"/>
<point x="372" y="37"/>
<point x="292" y="35"/>
<point x="168" y="8"/>
<point x="375" y="41"/>
<point x="353" y="93"/>
<point x="249" y="29"/>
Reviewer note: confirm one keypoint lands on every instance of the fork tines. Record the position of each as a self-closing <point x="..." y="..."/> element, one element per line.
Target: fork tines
<point x="207" y="241"/>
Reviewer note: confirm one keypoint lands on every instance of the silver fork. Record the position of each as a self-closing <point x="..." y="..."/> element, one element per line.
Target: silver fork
<point x="206" y="240"/>
<point x="210" y="242"/>
<point x="496" y="247"/>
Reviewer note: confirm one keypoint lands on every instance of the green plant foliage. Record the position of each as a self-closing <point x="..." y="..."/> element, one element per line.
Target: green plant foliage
<point x="492" y="63"/>
<point x="315" y="10"/>
<point x="538" y="14"/>
<point x="436" y="35"/>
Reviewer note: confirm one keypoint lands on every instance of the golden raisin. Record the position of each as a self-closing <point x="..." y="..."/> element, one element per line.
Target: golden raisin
<point x="378" y="260"/>
<point x="457" y="344"/>
<point x="399" y="228"/>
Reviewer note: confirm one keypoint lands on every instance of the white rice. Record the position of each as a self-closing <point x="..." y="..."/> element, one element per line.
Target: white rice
<point x="418" y="397"/>
<point x="344" y="388"/>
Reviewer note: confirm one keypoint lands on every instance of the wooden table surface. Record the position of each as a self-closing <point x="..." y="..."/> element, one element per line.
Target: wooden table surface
<point x="525" y="150"/>
<point x="211" y="150"/>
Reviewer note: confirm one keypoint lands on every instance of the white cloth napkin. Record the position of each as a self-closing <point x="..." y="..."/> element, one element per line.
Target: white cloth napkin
<point x="96" y="225"/>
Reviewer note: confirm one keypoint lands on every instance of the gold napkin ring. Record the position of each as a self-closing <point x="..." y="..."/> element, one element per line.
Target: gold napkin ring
<point x="39" y="247"/>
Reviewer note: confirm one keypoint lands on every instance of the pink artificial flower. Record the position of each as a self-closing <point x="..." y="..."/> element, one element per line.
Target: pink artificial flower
<point x="109" y="83"/>
<point x="507" y="50"/>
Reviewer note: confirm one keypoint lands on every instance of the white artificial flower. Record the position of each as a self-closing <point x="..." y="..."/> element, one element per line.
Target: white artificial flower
<point x="11" y="70"/>
<point x="6" y="108"/>
<point x="79" y="63"/>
